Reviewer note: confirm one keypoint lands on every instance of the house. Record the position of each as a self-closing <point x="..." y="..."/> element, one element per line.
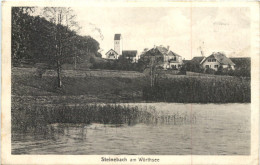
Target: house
<point x="130" y="54"/>
<point x="165" y="58"/>
<point x="175" y="60"/>
<point x="215" y="60"/>
<point x="111" y="54"/>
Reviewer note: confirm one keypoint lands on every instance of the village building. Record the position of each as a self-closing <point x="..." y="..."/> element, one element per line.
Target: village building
<point x="130" y="54"/>
<point x="165" y="58"/>
<point x="111" y="54"/>
<point x="118" y="51"/>
<point x="114" y="54"/>
<point x="215" y="60"/>
<point x="118" y="43"/>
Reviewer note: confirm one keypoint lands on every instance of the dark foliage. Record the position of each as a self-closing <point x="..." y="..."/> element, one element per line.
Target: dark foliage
<point x="192" y="67"/>
<point x="121" y="63"/>
<point x="33" y="40"/>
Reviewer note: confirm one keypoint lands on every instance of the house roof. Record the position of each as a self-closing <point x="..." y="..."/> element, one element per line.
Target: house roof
<point x="172" y="53"/>
<point x="112" y="51"/>
<point x="162" y="50"/>
<point x="197" y="59"/>
<point x="129" y="53"/>
<point x="221" y="58"/>
<point x="117" y="37"/>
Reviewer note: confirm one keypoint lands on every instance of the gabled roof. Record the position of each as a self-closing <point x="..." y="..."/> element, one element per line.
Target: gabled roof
<point x="197" y="59"/>
<point x="172" y="53"/>
<point x="160" y="50"/>
<point x="220" y="57"/>
<point x="129" y="53"/>
<point x="112" y="51"/>
<point x="117" y="37"/>
<point x="153" y="52"/>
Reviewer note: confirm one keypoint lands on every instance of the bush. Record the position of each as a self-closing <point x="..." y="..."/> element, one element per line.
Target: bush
<point x="210" y="71"/>
<point x="118" y="64"/>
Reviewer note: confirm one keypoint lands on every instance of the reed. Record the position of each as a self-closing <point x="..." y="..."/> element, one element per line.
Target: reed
<point x="25" y="118"/>
<point x="31" y="117"/>
<point x="200" y="90"/>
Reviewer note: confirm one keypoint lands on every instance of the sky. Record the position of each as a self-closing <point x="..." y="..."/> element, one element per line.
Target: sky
<point x="185" y="30"/>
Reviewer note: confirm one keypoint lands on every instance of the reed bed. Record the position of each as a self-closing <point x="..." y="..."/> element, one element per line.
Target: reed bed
<point x="200" y="90"/>
<point x="26" y="118"/>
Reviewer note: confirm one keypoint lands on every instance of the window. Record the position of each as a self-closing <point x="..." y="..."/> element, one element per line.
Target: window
<point x="207" y="66"/>
<point x="209" y="60"/>
<point x="215" y="66"/>
<point x="213" y="60"/>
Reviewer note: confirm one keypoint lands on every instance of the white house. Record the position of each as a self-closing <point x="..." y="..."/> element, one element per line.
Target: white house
<point x="167" y="58"/>
<point x="111" y="54"/>
<point x="215" y="60"/>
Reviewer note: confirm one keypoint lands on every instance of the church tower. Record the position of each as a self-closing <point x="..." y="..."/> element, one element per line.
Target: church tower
<point x="118" y="44"/>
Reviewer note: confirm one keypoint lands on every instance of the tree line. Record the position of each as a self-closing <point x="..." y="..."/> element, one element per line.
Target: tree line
<point x="33" y="38"/>
<point x="51" y="38"/>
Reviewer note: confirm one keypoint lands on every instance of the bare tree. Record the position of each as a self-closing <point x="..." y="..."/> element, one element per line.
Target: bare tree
<point x="64" y="20"/>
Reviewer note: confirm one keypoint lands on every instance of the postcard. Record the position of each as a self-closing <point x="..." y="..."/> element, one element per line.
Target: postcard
<point x="130" y="82"/>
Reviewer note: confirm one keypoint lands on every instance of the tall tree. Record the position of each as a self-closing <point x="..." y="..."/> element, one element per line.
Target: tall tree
<point x="65" y="24"/>
<point x="20" y="26"/>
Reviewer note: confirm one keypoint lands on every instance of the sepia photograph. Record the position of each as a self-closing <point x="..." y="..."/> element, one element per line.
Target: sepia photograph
<point x="134" y="80"/>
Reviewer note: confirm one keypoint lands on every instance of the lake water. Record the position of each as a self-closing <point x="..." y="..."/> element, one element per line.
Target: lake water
<point x="209" y="129"/>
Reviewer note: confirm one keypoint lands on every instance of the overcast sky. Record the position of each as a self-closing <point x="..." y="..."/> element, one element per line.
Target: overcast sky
<point x="214" y="29"/>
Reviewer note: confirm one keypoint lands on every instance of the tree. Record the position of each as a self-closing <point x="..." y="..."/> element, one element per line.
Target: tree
<point x="64" y="21"/>
<point x="152" y="60"/>
<point x="20" y="26"/>
<point x="193" y="67"/>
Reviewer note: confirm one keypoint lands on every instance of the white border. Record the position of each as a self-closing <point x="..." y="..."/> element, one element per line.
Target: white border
<point x="7" y="158"/>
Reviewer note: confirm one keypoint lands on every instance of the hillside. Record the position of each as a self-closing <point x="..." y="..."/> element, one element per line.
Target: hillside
<point x="34" y="40"/>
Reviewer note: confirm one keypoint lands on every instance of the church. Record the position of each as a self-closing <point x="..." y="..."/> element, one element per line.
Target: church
<point x="118" y="51"/>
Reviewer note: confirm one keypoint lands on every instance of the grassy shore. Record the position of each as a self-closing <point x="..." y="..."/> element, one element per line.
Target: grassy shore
<point x="36" y="102"/>
<point x="32" y="89"/>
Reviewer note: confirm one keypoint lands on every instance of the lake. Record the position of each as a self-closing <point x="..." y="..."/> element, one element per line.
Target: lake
<point x="204" y="129"/>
